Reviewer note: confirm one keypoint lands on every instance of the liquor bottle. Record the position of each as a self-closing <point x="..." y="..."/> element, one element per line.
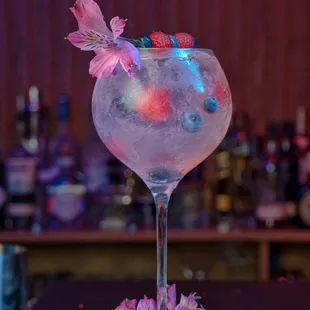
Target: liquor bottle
<point x="242" y="200"/>
<point x="95" y="157"/>
<point x="62" y="145"/>
<point x="3" y="194"/>
<point x="66" y="205"/>
<point x="37" y="144"/>
<point x="21" y="173"/>
<point x="65" y="194"/>
<point x="270" y="212"/>
<point x="255" y="175"/>
<point x="33" y="110"/>
<point x="223" y="197"/>
<point x="287" y="173"/>
<point x="302" y="144"/>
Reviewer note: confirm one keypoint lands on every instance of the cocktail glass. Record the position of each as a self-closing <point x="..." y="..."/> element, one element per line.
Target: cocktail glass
<point x="163" y="122"/>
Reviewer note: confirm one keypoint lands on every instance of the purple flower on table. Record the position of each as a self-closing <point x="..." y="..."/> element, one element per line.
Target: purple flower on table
<point x="171" y="302"/>
<point x="188" y="303"/>
<point x="146" y="304"/>
<point x="94" y="35"/>
<point x="127" y="304"/>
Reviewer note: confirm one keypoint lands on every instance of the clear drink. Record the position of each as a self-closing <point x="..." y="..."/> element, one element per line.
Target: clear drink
<point x="162" y="151"/>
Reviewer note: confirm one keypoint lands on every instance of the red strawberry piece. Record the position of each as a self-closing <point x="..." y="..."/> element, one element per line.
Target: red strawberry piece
<point x="153" y="104"/>
<point x="185" y="40"/>
<point x="221" y="90"/>
<point x="160" y="40"/>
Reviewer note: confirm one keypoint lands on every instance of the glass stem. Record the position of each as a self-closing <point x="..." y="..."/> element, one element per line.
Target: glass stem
<point x="161" y="201"/>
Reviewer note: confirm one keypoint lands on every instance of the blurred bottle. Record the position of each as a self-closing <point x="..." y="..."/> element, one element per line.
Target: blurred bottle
<point x="65" y="193"/>
<point x="223" y="197"/>
<point x="191" y="201"/>
<point x="287" y="173"/>
<point x="21" y="168"/>
<point x="302" y="143"/>
<point x="3" y="194"/>
<point x="255" y="176"/>
<point x="37" y="144"/>
<point x="206" y="212"/>
<point x="115" y="212"/>
<point x="62" y="146"/>
<point x="145" y="212"/>
<point x="242" y="200"/>
<point x="96" y="173"/>
<point x="270" y="212"/>
<point x="66" y="203"/>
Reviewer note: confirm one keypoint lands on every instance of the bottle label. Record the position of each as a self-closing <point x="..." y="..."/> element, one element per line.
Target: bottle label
<point x="48" y="174"/>
<point x="96" y="176"/>
<point x="65" y="161"/>
<point x="223" y="203"/>
<point x="21" y="175"/>
<point x="66" y="202"/>
<point x="20" y="210"/>
<point x="271" y="212"/>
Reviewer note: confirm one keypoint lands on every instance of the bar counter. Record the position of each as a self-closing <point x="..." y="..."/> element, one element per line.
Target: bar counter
<point x="104" y="295"/>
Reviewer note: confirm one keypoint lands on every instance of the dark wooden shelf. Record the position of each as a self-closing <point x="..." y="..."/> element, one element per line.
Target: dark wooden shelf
<point x="263" y="239"/>
<point x="174" y="236"/>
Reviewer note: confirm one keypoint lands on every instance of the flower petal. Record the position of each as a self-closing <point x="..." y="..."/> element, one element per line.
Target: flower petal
<point x="127" y="304"/>
<point x="146" y="304"/>
<point x="89" y="40"/>
<point x="187" y="302"/>
<point x="89" y="16"/>
<point x="171" y="297"/>
<point x="129" y="55"/>
<point x="117" y="25"/>
<point x="104" y="63"/>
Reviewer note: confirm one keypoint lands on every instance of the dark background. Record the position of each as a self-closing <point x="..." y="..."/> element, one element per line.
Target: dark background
<point x="263" y="46"/>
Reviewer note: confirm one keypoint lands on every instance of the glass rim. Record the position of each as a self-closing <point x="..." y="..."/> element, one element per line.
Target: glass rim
<point x="146" y="53"/>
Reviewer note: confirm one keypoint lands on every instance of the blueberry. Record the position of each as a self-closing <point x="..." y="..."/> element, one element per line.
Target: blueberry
<point x="145" y="41"/>
<point x="191" y="122"/>
<point x="120" y="104"/>
<point x="195" y="43"/>
<point x="174" y="41"/>
<point x="210" y="105"/>
<point x="163" y="175"/>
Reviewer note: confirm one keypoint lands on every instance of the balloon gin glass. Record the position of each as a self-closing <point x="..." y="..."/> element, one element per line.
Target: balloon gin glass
<point x="161" y="111"/>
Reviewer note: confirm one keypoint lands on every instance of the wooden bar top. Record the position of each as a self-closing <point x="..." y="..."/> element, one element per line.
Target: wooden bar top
<point x="104" y="295"/>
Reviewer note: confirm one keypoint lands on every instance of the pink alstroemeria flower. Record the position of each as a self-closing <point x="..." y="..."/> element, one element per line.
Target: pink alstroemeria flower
<point x="146" y="304"/>
<point x="94" y="35"/>
<point x="188" y="303"/>
<point x="172" y="297"/>
<point x="127" y="304"/>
